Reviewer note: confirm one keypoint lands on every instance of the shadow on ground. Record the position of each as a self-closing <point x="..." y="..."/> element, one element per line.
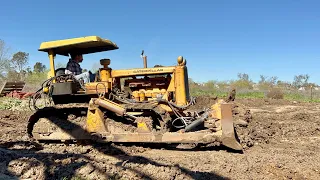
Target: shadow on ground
<point x="32" y="163"/>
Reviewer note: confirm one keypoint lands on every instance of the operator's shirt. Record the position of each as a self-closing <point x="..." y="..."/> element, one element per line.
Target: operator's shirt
<point x="73" y="68"/>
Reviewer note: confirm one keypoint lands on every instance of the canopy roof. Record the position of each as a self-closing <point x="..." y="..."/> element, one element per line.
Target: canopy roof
<point x="84" y="45"/>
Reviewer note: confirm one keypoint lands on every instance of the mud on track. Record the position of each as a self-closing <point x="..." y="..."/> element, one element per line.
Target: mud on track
<point x="281" y="142"/>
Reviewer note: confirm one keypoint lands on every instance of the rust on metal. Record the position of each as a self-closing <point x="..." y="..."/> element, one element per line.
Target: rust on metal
<point x="111" y="106"/>
<point x="228" y="135"/>
<point x="12" y="87"/>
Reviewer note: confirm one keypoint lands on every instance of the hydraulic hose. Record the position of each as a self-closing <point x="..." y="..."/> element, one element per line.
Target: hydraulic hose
<point x="176" y="106"/>
<point x="197" y="122"/>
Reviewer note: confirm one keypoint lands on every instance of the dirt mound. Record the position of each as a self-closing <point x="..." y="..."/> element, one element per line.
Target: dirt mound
<point x="203" y="102"/>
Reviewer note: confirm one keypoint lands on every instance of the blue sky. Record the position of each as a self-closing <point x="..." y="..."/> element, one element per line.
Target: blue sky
<point x="219" y="39"/>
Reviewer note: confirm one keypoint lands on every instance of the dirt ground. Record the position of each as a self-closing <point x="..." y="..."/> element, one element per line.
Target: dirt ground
<point x="280" y="142"/>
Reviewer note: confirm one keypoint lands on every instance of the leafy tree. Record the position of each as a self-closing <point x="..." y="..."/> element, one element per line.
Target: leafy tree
<point x="19" y="60"/>
<point x="223" y="84"/>
<point x="284" y="84"/>
<point x="29" y="70"/>
<point x="39" y="67"/>
<point x="13" y="75"/>
<point x="210" y="84"/>
<point x="267" y="83"/>
<point x="4" y="59"/>
<point x="243" y="82"/>
<point x="243" y="76"/>
<point x="273" y="80"/>
<point x="262" y="79"/>
<point x="301" y="80"/>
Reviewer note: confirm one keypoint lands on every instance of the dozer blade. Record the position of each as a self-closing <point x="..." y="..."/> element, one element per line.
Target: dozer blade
<point x="223" y="111"/>
<point x="228" y="133"/>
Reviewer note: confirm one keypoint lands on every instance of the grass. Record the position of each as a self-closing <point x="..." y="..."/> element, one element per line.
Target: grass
<point x="9" y="103"/>
<point x="243" y="94"/>
<point x="300" y="97"/>
<point x="222" y="94"/>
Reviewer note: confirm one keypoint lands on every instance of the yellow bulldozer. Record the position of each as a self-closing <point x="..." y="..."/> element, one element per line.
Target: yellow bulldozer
<point x="138" y="105"/>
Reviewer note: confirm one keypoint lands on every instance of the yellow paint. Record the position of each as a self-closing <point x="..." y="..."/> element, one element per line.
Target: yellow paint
<point x="52" y="68"/>
<point x="149" y="93"/>
<point x="95" y="121"/>
<point x="136" y="95"/>
<point x="166" y="107"/>
<point x="154" y="92"/>
<point x="171" y="85"/>
<point x="142" y="127"/>
<point x="142" y="71"/>
<point x="45" y="90"/>
<point x="105" y="74"/>
<point x="163" y="91"/>
<point x="97" y="86"/>
<point x="180" y="86"/>
<point x="87" y="45"/>
<point x="180" y="60"/>
<point x="216" y="109"/>
<point x="142" y="96"/>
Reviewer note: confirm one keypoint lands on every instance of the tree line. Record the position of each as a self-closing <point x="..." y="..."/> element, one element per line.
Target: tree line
<point x="244" y="82"/>
<point x="13" y="67"/>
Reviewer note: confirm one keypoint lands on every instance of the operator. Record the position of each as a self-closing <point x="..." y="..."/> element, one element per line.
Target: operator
<point x="73" y="67"/>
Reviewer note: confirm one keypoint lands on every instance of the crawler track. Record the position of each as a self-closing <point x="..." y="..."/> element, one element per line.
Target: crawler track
<point x="69" y="123"/>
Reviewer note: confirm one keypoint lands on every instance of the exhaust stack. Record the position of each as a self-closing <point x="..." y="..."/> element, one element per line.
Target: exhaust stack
<point x="145" y="65"/>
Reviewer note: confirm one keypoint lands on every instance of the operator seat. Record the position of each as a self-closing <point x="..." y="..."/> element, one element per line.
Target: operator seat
<point x="60" y="71"/>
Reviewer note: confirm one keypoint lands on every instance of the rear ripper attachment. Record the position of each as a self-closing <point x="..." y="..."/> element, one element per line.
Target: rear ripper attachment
<point x="108" y="121"/>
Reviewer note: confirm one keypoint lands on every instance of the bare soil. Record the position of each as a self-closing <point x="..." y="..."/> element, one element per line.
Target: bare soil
<point x="281" y="141"/>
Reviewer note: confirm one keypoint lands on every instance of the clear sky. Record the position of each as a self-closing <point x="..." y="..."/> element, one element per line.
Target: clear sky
<point x="219" y="39"/>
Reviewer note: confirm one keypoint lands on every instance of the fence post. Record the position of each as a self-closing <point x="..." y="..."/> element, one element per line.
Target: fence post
<point x="311" y="92"/>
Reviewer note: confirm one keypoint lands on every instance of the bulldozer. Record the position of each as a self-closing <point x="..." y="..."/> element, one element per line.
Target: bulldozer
<point x="137" y="105"/>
